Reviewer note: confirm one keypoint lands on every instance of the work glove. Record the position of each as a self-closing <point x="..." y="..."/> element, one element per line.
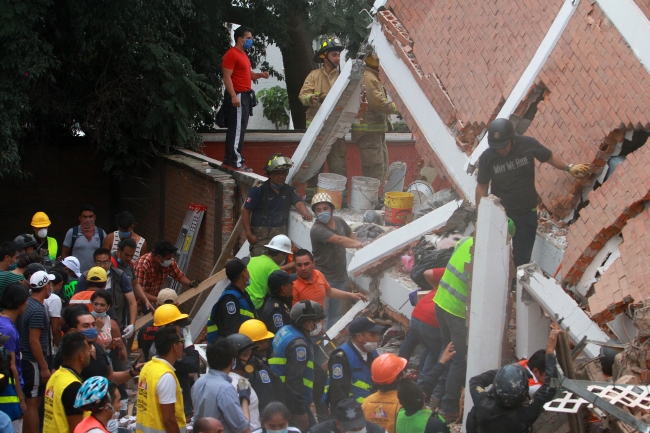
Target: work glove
<point x="194" y="283"/>
<point x="313" y="100"/>
<point x="244" y="390"/>
<point x="579" y="170"/>
<point x="187" y="336"/>
<point x="322" y="97"/>
<point x="128" y="332"/>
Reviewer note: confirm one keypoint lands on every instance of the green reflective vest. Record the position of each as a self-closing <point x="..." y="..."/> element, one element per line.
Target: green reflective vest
<point x="415" y="423"/>
<point x="452" y="291"/>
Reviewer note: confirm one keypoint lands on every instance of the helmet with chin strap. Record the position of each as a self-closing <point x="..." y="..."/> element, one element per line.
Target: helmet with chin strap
<point x="330" y="44"/>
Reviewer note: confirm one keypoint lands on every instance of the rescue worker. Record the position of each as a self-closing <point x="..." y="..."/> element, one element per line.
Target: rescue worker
<point x="349" y="365"/>
<point x="312" y="94"/>
<point x="40" y="224"/>
<point x="125" y="224"/>
<point x="536" y="368"/>
<point x="62" y="387"/>
<point x="506" y="407"/>
<point x="265" y="382"/>
<point x="348" y="418"/>
<point x="276" y="312"/>
<point x="240" y="371"/>
<point x="26" y="243"/>
<point x="414" y="417"/>
<point x="509" y="165"/>
<point x="383" y="406"/>
<point x="370" y="133"/>
<point x="260" y="267"/>
<point x="234" y="306"/>
<point x="266" y="210"/>
<point x="160" y="400"/>
<point x="99" y="397"/>
<point x="293" y="361"/>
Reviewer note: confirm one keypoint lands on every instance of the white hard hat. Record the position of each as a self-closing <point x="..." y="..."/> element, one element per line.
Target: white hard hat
<point x="280" y="243"/>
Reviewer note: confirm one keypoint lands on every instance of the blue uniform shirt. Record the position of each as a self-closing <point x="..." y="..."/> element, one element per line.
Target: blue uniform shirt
<point x="275" y="207"/>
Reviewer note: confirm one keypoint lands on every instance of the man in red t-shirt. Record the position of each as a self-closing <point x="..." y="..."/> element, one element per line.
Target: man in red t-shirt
<point x="237" y="75"/>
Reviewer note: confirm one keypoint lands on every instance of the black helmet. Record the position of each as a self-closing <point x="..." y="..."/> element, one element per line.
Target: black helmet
<point x="242" y="342"/>
<point x="500" y="132"/>
<point x="510" y="387"/>
<point x="306" y="310"/>
<point x="330" y="44"/>
<point x="25" y="241"/>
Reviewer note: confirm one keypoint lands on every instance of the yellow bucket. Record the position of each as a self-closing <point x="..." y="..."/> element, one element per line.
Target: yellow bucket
<point x="399" y="208"/>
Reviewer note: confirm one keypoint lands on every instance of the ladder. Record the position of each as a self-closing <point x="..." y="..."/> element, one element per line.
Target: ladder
<point x="186" y="240"/>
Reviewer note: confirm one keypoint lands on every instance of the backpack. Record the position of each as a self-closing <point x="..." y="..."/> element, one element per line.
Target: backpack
<point x="75" y="234"/>
<point x="427" y="257"/>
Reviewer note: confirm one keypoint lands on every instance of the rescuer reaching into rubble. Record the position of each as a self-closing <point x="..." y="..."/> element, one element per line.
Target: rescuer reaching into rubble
<point x="312" y="94"/>
<point x="370" y="133"/>
<point x="349" y="365"/>
<point x="293" y="361"/>
<point x="506" y="407"/>
<point x="383" y="406"/>
<point x="260" y="267"/>
<point x="266" y="210"/>
<point x="509" y="165"/>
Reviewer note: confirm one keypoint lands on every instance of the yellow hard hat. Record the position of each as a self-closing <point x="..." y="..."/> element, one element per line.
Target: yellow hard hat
<point x="40" y="220"/>
<point x="166" y="314"/>
<point x="372" y="61"/>
<point x="255" y="330"/>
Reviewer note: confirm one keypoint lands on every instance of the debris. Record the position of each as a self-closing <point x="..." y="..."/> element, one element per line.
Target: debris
<point x="436" y="200"/>
<point x="373" y="217"/>
<point x="369" y="232"/>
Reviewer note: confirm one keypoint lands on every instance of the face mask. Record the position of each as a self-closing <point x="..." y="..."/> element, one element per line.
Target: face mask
<point x="276" y="186"/>
<point x="87" y="224"/>
<point x="119" y="261"/>
<point x="284" y="430"/>
<point x="12" y="267"/>
<point x="317" y="330"/>
<point x="96" y="314"/>
<point x="166" y="263"/>
<point x="113" y="423"/>
<point x="248" y="43"/>
<point x="90" y="333"/>
<point x="369" y="347"/>
<point x="124" y="234"/>
<point x="324" y="217"/>
<point x="248" y="283"/>
<point x="42" y="233"/>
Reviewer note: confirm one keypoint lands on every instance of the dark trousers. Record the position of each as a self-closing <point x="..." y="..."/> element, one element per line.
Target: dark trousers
<point x="118" y="365"/>
<point x="237" y="124"/>
<point x="453" y="329"/>
<point x="524" y="239"/>
<point x="430" y="338"/>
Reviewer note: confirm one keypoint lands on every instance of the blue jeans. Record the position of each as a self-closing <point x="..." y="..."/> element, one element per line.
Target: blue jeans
<point x="334" y="307"/>
<point x="453" y="329"/>
<point x="408" y="347"/>
<point x="431" y="339"/>
<point x="524" y="239"/>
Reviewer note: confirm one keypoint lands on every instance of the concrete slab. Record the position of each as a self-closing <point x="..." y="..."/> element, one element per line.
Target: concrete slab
<point x="532" y="325"/>
<point x="547" y="255"/>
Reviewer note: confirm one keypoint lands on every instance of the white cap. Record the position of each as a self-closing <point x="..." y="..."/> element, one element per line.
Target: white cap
<point x="40" y="279"/>
<point x="280" y="243"/>
<point x="72" y="263"/>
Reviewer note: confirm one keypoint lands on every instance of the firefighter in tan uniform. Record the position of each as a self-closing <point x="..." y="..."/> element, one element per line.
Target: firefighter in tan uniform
<point x="370" y="134"/>
<point x="314" y="90"/>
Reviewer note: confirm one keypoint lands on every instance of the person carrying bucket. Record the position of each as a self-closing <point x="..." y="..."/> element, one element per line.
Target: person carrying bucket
<point x="330" y="236"/>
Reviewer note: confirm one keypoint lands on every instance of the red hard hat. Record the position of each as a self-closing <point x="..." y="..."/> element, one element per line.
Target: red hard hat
<point x="386" y="368"/>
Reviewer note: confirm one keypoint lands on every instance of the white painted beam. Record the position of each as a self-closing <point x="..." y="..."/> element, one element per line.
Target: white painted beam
<point x="561" y="308"/>
<point x="530" y="73"/>
<point x="393" y="241"/>
<point x="632" y="24"/>
<point x="433" y="129"/>
<point x="547" y="255"/>
<point x="489" y="292"/>
<point x="532" y="325"/>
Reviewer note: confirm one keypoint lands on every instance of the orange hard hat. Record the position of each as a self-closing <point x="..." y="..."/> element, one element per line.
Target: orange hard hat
<point x="386" y="368"/>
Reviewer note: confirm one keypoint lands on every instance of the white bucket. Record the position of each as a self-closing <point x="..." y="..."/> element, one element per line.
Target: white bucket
<point x="333" y="184"/>
<point x="364" y="193"/>
<point x="421" y="192"/>
<point x="396" y="175"/>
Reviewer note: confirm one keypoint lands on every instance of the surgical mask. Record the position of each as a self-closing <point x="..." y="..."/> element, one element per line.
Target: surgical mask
<point x="324" y="217"/>
<point x="87" y="224"/>
<point x="12" y="267"/>
<point x="90" y="333"/>
<point x="124" y="234"/>
<point x="369" y="347"/>
<point x="248" y="283"/>
<point x="248" y="43"/>
<point x="276" y="186"/>
<point x="113" y="423"/>
<point x="284" y="430"/>
<point x="98" y="315"/>
<point x="42" y="233"/>
<point x="166" y="263"/>
<point x="317" y="330"/>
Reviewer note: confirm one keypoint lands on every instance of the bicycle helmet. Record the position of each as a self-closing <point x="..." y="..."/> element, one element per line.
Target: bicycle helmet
<point x="92" y="391"/>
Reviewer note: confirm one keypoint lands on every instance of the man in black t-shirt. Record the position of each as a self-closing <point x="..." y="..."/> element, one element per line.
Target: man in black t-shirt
<point x="509" y="165"/>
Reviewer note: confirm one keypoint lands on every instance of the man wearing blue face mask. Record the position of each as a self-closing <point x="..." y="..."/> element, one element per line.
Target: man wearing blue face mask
<point x="330" y="236"/>
<point x="238" y="101"/>
<point x="125" y="225"/>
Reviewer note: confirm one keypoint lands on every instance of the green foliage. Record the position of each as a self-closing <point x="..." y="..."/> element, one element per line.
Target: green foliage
<point x="276" y="105"/>
<point x="400" y="126"/>
<point x="344" y="18"/>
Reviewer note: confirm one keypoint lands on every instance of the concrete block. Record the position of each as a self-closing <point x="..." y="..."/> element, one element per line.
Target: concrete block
<point x="532" y="325"/>
<point x="547" y="255"/>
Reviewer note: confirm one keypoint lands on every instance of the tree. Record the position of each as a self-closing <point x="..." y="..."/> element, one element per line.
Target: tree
<point x="276" y="105"/>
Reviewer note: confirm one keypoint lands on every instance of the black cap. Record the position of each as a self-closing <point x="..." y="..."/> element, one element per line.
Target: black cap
<point x="235" y="267"/>
<point x="349" y="415"/>
<point x="277" y="279"/>
<point x="364" y="324"/>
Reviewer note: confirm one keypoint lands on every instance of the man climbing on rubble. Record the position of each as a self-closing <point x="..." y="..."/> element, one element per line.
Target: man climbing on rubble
<point x="260" y="267"/>
<point x="314" y="90"/>
<point x="370" y="134"/>
<point x="509" y="166"/>
<point x="506" y="407"/>
<point x="330" y="236"/>
<point x="266" y="210"/>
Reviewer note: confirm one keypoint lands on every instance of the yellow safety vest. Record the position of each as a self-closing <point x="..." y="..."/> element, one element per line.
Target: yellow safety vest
<point x="452" y="291"/>
<point x="149" y="417"/>
<point x="55" y="419"/>
<point x="382" y="408"/>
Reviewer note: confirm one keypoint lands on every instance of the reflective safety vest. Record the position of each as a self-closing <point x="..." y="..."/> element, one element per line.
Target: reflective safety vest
<point x="9" y="401"/>
<point x="55" y="419"/>
<point x="83" y="298"/>
<point x="452" y="291"/>
<point x="90" y="423"/>
<point x="361" y="380"/>
<point x="246" y="311"/>
<point x="278" y="362"/>
<point x="382" y="408"/>
<point x="415" y="423"/>
<point x="533" y="384"/>
<point x="149" y="417"/>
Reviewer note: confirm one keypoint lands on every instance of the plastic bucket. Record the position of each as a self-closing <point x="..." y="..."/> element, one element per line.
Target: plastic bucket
<point x="421" y="191"/>
<point x="399" y="208"/>
<point x="334" y="185"/>
<point x="363" y="193"/>
<point x="396" y="175"/>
